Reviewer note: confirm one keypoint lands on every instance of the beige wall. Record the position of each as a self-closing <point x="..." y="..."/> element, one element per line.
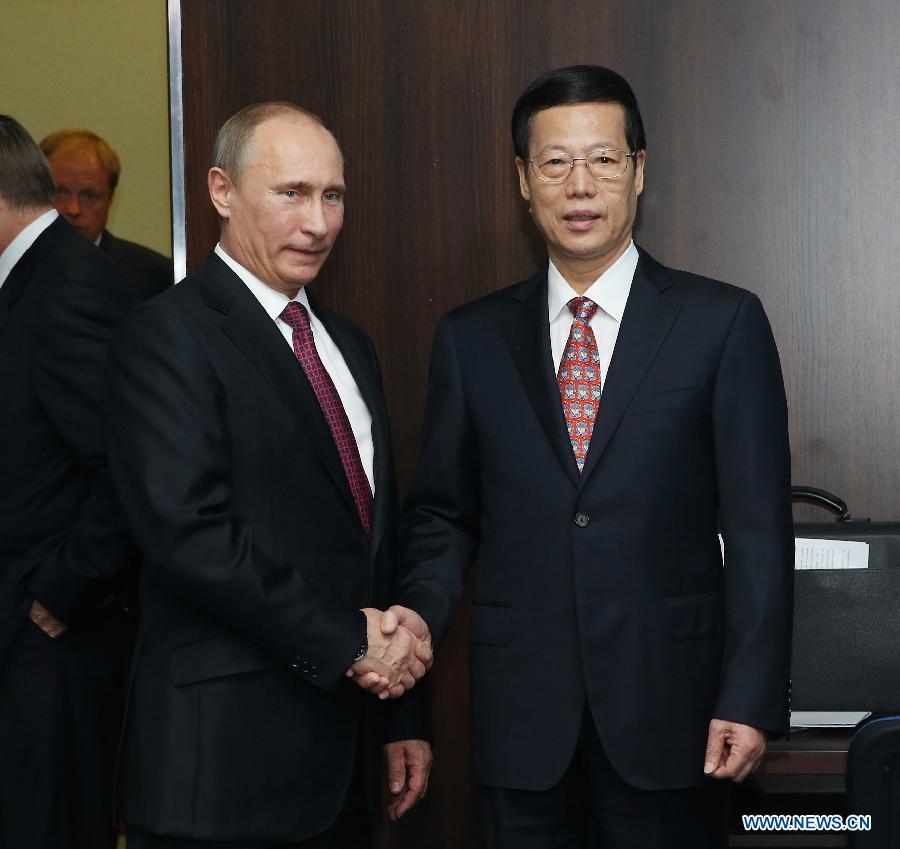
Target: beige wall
<point x="100" y="64"/>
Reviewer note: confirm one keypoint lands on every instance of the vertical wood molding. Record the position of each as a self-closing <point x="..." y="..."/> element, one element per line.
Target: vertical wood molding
<point x="176" y="136"/>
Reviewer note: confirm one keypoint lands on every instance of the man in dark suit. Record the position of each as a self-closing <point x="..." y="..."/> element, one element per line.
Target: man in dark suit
<point x="86" y="171"/>
<point x="247" y="434"/>
<point x="588" y="432"/>
<point x="65" y="628"/>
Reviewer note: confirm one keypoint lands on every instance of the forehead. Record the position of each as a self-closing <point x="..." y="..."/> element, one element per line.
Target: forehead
<point x="77" y="163"/>
<point x="583" y="125"/>
<point x="294" y="144"/>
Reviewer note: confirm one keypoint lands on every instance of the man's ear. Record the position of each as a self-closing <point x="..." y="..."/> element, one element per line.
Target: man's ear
<point x="220" y="189"/>
<point x="639" y="161"/>
<point x="522" y="168"/>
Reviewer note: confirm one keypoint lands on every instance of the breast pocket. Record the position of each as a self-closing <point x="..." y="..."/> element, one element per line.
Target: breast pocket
<point x="667" y="399"/>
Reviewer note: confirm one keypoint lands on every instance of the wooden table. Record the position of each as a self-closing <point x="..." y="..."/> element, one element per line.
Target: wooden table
<point x="805" y="773"/>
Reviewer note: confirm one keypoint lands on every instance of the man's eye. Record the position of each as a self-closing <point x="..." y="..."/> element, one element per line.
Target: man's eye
<point x="333" y="197"/>
<point x="291" y="193"/>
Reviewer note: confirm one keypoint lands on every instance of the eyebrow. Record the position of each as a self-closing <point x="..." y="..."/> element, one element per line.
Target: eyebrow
<point x="304" y="186"/>
<point x="604" y="145"/>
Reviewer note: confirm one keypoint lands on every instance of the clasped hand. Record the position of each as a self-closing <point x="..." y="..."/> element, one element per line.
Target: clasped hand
<point x="399" y="652"/>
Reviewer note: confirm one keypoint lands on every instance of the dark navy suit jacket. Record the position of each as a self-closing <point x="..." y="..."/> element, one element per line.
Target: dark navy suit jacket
<point x="242" y="726"/>
<point x="607" y="588"/>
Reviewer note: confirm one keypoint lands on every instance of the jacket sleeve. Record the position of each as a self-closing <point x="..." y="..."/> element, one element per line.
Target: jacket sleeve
<point x="170" y="451"/>
<point x="753" y="471"/>
<point x="70" y="352"/>
<point x="439" y="528"/>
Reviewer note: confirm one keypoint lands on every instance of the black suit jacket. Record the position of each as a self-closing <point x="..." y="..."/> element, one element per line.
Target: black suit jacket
<point x="241" y="725"/>
<point x="140" y="263"/>
<point x="608" y="586"/>
<point x="62" y="536"/>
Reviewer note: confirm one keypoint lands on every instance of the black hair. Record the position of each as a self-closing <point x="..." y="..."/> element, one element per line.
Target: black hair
<point x="576" y="84"/>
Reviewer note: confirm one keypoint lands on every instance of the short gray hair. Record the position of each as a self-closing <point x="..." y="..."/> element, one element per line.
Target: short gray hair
<point x="26" y="181"/>
<point x="232" y="145"/>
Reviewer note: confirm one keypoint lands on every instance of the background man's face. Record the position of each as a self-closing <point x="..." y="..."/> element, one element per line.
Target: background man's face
<point x="286" y="210"/>
<point x="82" y="195"/>
<point x="583" y="220"/>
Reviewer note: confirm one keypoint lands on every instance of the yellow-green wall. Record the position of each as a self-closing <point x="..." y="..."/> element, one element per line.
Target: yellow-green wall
<point x="99" y="64"/>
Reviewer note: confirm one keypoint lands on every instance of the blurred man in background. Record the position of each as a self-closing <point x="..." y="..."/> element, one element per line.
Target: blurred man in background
<point x="86" y="172"/>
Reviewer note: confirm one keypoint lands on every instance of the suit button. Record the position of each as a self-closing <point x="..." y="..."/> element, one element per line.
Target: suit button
<point x="582" y="520"/>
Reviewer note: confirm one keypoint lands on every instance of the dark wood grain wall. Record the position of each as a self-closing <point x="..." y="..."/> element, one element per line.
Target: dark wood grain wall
<point x="771" y="164"/>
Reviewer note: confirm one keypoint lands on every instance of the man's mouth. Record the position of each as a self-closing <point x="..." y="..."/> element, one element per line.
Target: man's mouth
<point x="580" y="219"/>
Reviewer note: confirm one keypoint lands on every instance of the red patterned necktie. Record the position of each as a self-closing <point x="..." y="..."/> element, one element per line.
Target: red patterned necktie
<point x="296" y="316"/>
<point x="579" y="378"/>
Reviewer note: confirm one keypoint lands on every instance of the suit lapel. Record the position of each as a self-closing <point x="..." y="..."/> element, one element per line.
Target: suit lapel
<point x="645" y="324"/>
<point x="359" y="360"/>
<point x="527" y="330"/>
<point x="250" y="328"/>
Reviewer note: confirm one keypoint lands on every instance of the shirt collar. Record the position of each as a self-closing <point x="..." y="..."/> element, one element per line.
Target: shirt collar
<point x="609" y="291"/>
<point x="271" y="300"/>
<point x="16" y="249"/>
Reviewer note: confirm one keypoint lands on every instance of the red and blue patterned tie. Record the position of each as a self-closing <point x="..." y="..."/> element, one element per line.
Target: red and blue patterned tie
<point x="579" y="378"/>
<point x="296" y="317"/>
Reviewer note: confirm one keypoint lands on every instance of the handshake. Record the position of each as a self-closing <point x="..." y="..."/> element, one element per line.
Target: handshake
<point x="399" y="652"/>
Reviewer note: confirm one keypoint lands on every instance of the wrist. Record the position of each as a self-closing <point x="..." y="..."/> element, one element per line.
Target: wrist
<point x="362" y="651"/>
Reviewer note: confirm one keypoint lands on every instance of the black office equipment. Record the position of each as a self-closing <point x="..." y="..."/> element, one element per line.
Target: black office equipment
<point x="873" y="783"/>
<point x="846" y="649"/>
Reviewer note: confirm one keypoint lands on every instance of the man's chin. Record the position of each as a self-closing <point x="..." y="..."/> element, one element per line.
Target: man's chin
<point x="302" y="269"/>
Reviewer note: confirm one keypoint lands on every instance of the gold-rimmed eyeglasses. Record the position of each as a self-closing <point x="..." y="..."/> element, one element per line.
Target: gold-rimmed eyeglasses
<point x="602" y="164"/>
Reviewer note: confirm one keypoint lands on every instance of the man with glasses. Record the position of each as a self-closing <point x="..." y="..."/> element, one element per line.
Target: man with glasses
<point x="588" y="433"/>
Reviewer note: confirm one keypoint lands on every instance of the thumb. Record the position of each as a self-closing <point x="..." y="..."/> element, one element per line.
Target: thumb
<point x="389" y="622"/>
<point x="714" y="744"/>
<point x="396" y="772"/>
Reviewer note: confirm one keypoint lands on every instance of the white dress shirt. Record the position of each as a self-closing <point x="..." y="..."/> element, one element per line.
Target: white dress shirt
<point x="609" y="291"/>
<point x="15" y="250"/>
<point x="274" y="302"/>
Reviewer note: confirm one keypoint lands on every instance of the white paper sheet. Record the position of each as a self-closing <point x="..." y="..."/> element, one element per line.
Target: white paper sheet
<point x="830" y="554"/>
<point x="827" y="718"/>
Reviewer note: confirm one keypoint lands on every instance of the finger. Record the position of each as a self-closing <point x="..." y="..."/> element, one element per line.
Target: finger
<point x="423" y="651"/>
<point x="396" y="770"/>
<point x="410" y="797"/>
<point x="411" y="620"/>
<point x="371" y="681"/>
<point x="393" y="692"/>
<point x="389" y="623"/>
<point x="417" y="669"/>
<point x="415" y="777"/>
<point x="714" y="746"/>
<point x="733" y="765"/>
<point x="744" y="771"/>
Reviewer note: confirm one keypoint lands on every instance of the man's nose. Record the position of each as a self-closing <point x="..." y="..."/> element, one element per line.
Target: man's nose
<point x="581" y="182"/>
<point x="314" y="223"/>
<point x="68" y="205"/>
